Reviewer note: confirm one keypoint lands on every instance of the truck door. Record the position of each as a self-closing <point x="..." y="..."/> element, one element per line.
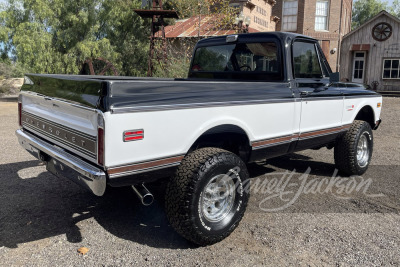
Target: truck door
<point x="321" y="102"/>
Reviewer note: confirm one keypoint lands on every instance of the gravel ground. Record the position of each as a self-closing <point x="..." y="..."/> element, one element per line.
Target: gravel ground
<point x="44" y="220"/>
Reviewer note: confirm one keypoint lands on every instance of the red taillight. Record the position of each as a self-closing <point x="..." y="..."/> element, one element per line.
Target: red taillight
<point x="20" y="114"/>
<point x="100" y="146"/>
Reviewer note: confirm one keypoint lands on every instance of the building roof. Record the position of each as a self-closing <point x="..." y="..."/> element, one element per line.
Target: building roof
<point x="382" y="13"/>
<point x="190" y="28"/>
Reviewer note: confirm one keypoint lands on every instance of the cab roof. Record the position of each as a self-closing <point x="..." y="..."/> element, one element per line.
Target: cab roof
<point x="284" y="37"/>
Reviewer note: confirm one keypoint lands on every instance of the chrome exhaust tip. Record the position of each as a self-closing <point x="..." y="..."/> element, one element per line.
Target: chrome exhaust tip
<point x="143" y="194"/>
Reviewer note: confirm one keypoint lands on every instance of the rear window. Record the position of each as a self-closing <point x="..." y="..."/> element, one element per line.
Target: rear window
<point x="242" y="61"/>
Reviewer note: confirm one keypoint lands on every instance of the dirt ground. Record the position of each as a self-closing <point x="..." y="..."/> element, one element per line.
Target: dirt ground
<point x="353" y="221"/>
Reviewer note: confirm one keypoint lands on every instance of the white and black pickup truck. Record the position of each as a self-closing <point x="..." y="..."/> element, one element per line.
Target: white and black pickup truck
<point x="247" y="97"/>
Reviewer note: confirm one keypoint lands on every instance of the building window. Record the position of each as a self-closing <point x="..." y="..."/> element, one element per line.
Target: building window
<point x="289" y="18"/>
<point x="391" y="68"/>
<point x="262" y="11"/>
<point x="262" y="22"/>
<point x="322" y="15"/>
<point x="346" y="30"/>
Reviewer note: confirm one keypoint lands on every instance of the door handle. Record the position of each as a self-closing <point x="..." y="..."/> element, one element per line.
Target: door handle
<point x="304" y="93"/>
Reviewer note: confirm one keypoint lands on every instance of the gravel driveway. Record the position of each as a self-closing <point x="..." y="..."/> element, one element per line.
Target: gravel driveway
<point x="354" y="221"/>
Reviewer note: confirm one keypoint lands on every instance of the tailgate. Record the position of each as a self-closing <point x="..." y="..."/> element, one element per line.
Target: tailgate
<point x="64" y="111"/>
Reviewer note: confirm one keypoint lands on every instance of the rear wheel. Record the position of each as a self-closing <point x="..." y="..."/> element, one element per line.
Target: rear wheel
<point x="205" y="200"/>
<point x="353" y="150"/>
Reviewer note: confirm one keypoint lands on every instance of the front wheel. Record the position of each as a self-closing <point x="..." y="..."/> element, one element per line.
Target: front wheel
<point x="206" y="200"/>
<point x="353" y="150"/>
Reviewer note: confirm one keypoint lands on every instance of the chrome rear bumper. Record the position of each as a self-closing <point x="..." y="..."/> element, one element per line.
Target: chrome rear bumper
<point x="61" y="163"/>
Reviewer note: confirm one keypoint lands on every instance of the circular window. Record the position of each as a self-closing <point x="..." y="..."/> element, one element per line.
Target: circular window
<point x="382" y="31"/>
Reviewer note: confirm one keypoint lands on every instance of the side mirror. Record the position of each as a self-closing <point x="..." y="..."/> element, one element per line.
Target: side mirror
<point x="334" y="77"/>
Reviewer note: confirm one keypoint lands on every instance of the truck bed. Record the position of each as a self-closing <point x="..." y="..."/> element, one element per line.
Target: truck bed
<point x="129" y="94"/>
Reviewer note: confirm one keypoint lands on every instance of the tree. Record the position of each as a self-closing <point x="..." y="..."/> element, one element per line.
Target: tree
<point x="395" y="8"/>
<point x="187" y="8"/>
<point x="363" y="10"/>
<point x="57" y="36"/>
<point x="128" y="34"/>
<point x="180" y="50"/>
<point x="222" y="11"/>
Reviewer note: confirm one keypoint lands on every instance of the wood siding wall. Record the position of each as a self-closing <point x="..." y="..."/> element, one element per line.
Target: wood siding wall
<point x="375" y="56"/>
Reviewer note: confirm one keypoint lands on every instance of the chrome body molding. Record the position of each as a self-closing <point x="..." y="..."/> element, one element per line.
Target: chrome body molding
<point x="136" y="168"/>
<point x="274" y="141"/>
<point x="62" y="163"/>
<point x="319" y="98"/>
<point x="361" y="96"/>
<point x="126" y="109"/>
<point x="297" y="137"/>
<point x="323" y="132"/>
<point x="118" y="110"/>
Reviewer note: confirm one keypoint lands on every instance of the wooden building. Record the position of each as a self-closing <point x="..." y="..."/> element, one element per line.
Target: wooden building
<point x="370" y="54"/>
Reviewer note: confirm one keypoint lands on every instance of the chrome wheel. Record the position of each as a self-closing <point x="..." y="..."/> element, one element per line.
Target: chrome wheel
<point x="218" y="198"/>
<point x="362" y="151"/>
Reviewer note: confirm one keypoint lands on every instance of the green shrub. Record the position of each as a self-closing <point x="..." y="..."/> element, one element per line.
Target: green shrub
<point x="11" y="70"/>
<point x="10" y="86"/>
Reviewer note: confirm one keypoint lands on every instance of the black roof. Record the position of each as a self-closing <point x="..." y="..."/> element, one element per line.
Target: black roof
<point x="258" y="36"/>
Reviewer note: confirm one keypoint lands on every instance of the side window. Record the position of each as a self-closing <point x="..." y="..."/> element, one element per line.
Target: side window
<point x="305" y="61"/>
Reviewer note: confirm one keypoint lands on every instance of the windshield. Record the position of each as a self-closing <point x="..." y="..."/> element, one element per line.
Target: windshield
<point x="244" y="61"/>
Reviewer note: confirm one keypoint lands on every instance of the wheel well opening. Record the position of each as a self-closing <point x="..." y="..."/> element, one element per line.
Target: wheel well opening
<point x="228" y="137"/>
<point x="366" y="114"/>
